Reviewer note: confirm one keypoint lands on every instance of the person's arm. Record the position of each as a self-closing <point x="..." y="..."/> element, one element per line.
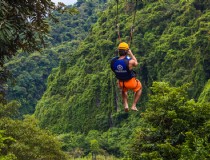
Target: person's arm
<point x="133" y="61"/>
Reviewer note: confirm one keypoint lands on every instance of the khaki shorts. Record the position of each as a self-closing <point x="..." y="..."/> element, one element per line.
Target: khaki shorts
<point x="132" y="84"/>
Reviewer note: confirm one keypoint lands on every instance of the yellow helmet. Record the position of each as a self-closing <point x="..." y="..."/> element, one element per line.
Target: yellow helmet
<point x="123" y="46"/>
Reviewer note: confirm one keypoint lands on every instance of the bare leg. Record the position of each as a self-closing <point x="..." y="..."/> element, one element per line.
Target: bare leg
<point x="125" y="100"/>
<point x="136" y="98"/>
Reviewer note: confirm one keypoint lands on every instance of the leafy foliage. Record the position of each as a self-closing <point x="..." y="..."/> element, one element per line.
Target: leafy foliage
<point x="174" y="126"/>
<point x="30" y="74"/>
<point x="166" y="41"/>
<point x="75" y="27"/>
<point x="5" y="143"/>
<point x="171" y="40"/>
<point x="24" y="139"/>
<point x="204" y="96"/>
<point x="23" y="25"/>
<point x="173" y="33"/>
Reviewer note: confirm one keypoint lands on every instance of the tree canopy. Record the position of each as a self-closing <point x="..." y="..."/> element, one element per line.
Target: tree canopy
<point x="80" y="101"/>
<point x="23" y="25"/>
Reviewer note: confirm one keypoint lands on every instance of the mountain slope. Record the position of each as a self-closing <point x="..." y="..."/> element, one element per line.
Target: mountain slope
<point x="30" y="72"/>
<point x="171" y="41"/>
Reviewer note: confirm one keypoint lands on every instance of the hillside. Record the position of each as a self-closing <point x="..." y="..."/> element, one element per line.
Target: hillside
<point x="171" y="42"/>
<point x="78" y="107"/>
<point x="30" y="71"/>
<point x="167" y="41"/>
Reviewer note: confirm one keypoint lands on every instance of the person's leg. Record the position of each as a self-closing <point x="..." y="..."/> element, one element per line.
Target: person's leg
<point x="137" y="95"/>
<point x="125" y="100"/>
<point x="136" y="98"/>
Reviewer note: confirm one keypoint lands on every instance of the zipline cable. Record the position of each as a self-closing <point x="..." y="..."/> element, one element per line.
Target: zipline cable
<point x="132" y="27"/>
<point x="117" y="24"/>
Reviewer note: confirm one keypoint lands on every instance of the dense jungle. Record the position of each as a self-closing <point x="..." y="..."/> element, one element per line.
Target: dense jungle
<point x="58" y="95"/>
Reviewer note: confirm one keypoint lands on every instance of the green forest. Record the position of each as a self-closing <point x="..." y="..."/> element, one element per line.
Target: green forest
<point x="58" y="95"/>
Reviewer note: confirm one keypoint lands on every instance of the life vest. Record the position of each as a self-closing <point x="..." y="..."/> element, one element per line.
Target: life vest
<point x="121" y="68"/>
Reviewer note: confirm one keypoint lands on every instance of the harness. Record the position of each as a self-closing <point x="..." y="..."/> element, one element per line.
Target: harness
<point x="121" y="68"/>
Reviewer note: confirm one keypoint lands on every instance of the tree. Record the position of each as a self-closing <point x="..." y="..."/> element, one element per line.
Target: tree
<point x="5" y="143"/>
<point x="173" y="127"/>
<point x="94" y="147"/>
<point x="23" y="25"/>
<point x="25" y="140"/>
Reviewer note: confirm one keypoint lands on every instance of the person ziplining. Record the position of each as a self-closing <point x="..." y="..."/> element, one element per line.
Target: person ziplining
<point x="123" y="66"/>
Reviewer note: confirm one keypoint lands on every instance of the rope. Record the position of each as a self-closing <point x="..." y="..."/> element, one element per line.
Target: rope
<point x="117" y="25"/>
<point x="132" y="27"/>
<point x="111" y="103"/>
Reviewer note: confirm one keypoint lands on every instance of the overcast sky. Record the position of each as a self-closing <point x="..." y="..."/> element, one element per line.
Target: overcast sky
<point x="66" y="2"/>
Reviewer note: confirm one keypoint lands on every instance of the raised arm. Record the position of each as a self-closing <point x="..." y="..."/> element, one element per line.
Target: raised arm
<point x="133" y="62"/>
